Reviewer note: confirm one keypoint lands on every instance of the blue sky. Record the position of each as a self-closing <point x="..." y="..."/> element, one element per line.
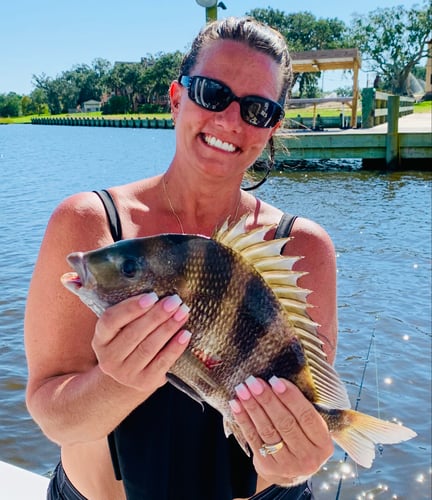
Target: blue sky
<point x="51" y="36"/>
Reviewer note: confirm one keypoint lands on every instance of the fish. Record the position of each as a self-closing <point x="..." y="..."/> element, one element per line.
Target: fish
<point x="248" y="316"/>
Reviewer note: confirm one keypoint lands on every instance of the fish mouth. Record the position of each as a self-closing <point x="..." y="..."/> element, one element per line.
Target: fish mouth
<point x="79" y="278"/>
<point x="72" y="281"/>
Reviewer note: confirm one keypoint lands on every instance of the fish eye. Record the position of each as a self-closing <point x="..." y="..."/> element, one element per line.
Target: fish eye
<point x="129" y="268"/>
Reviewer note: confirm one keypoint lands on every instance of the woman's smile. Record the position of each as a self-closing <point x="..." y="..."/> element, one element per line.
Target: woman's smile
<point x="216" y="143"/>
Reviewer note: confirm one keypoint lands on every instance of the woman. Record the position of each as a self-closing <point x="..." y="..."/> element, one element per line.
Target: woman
<point x="89" y="376"/>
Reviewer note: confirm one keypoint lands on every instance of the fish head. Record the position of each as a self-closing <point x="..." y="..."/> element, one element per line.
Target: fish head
<point x="108" y="275"/>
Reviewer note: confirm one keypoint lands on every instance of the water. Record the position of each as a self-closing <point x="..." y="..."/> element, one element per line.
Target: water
<point x="380" y="225"/>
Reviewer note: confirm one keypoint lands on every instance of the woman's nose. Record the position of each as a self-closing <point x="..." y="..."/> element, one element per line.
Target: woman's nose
<point x="230" y="117"/>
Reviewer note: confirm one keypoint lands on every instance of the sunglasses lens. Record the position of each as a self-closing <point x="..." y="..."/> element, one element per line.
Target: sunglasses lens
<point x="260" y="112"/>
<point x="209" y="94"/>
<point x="215" y="96"/>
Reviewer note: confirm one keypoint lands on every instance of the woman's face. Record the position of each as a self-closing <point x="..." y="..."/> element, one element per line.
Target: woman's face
<point x="221" y="144"/>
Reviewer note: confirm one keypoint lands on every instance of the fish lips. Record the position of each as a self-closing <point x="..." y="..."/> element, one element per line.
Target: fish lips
<point x="81" y="278"/>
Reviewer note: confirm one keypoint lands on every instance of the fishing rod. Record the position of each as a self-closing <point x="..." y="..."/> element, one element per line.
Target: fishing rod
<point x="371" y="343"/>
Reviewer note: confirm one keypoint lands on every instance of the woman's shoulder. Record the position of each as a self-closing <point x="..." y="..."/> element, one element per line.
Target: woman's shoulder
<point x="308" y="237"/>
<point x="79" y="218"/>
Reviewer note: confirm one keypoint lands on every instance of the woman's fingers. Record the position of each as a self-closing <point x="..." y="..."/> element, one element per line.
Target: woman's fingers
<point x="141" y="337"/>
<point x="288" y="437"/>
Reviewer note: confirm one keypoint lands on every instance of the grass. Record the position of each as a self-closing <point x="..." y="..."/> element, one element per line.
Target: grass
<point x="327" y="111"/>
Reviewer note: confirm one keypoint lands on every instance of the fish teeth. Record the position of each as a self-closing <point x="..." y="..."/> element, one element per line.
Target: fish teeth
<point x="217" y="143"/>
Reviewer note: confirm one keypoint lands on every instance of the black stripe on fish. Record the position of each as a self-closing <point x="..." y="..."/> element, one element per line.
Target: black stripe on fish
<point x="208" y="262"/>
<point x="288" y="363"/>
<point x="255" y="316"/>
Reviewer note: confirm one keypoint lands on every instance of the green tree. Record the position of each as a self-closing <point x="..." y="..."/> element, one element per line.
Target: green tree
<point x="10" y="105"/>
<point x="392" y="41"/>
<point x="125" y="80"/>
<point x="158" y="77"/>
<point x="303" y="31"/>
<point x="51" y="89"/>
<point x="39" y="102"/>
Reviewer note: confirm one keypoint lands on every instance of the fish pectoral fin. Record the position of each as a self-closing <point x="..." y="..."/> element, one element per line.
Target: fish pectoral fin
<point x="187" y="389"/>
<point x="362" y="432"/>
<point x="230" y="427"/>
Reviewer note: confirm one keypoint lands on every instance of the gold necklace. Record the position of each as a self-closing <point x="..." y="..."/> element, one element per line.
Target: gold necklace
<point x="175" y="213"/>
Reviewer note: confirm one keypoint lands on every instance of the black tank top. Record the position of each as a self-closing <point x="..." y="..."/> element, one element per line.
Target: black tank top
<point x="169" y="448"/>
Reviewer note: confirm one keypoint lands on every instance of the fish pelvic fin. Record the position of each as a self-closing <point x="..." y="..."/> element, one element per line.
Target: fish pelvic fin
<point x="230" y="427"/>
<point x="362" y="432"/>
<point x="182" y="386"/>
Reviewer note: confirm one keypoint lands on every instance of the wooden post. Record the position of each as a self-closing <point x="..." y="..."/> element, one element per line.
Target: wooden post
<point x="368" y="107"/>
<point x="353" y="122"/>
<point x="392" y="139"/>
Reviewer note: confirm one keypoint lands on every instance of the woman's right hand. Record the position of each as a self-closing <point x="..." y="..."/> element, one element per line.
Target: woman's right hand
<point x="138" y="340"/>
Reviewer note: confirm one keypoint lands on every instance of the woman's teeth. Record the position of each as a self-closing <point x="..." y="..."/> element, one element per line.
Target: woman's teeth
<point x="217" y="143"/>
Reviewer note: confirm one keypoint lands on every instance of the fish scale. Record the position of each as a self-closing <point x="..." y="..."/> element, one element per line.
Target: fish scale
<point x="248" y="316"/>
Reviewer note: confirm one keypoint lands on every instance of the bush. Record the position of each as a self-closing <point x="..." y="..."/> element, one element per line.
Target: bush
<point x="149" y="108"/>
<point x="116" y="105"/>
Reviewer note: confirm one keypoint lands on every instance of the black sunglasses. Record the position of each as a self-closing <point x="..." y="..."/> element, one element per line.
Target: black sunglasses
<point x="215" y="96"/>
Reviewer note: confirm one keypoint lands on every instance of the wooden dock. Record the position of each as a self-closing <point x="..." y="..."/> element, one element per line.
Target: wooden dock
<point x="378" y="147"/>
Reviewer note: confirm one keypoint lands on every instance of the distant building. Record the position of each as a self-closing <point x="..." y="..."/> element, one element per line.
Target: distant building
<point x="90" y="106"/>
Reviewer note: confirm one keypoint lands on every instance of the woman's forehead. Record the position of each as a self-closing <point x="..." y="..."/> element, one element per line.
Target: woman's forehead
<point x="227" y="60"/>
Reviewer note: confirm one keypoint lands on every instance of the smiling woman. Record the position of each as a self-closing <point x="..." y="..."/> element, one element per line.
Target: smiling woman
<point x="101" y="389"/>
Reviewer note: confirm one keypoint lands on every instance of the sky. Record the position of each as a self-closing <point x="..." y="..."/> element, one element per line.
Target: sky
<point x="52" y="36"/>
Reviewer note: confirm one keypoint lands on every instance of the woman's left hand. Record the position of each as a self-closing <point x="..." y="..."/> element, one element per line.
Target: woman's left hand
<point x="279" y="414"/>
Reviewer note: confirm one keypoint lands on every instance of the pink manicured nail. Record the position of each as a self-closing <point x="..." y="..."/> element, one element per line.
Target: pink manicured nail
<point x="148" y="300"/>
<point x="235" y="407"/>
<point x="254" y="385"/>
<point x="182" y="312"/>
<point x="171" y="303"/>
<point x="242" y="392"/>
<point x="184" y="337"/>
<point x="277" y="385"/>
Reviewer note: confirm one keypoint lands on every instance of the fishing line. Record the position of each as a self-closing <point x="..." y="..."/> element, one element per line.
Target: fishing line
<point x="371" y="343"/>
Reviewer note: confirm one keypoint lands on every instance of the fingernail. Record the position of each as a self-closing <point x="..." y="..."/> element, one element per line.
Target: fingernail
<point x="277" y="385"/>
<point x="242" y="392"/>
<point x="184" y="337"/>
<point x="182" y="312"/>
<point x="171" y="303"/>
<point x="148" y="299"/>
<point x="235" y="407"/>
<point x="254" y="385"/>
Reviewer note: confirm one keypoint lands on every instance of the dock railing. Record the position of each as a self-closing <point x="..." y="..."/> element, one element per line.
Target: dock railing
<point x="375" y="107"/>
<point x="317" y="122"/>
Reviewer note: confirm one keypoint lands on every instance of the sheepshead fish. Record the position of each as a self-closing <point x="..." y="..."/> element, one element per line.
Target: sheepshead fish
<point x="248" y="317"/>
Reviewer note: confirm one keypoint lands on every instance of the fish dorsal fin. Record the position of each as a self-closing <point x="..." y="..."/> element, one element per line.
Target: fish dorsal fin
<point x="277" y="271"/>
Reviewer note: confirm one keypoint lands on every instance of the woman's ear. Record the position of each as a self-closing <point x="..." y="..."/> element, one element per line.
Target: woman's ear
<point x="276" y="127"/>
<point x="174" y="95"/>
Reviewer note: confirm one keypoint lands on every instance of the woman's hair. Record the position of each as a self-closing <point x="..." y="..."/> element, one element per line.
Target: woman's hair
<point x="254" y="34"/>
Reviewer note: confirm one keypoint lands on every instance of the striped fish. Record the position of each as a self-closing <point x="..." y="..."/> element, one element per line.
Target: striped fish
<point x="248" y="317"/>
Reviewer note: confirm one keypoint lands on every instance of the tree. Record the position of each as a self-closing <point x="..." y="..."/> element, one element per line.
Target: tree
<point x="52" y="90"/>
<point x="303" y="31"/>
<point x="392" y="41"/>
<point x="124" y="80"/>
<point x="158" y="77"/>
<point x="10" y="105"/>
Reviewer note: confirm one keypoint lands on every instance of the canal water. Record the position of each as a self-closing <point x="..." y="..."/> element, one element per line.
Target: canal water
<point x="381" y="227"/>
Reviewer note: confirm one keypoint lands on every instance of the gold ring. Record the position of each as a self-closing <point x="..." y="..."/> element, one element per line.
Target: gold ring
<point x="271" y="449"/>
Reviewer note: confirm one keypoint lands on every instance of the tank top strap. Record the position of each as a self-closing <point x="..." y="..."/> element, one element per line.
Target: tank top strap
<point x="285" y="226"/>
<point x="112" y="214"/>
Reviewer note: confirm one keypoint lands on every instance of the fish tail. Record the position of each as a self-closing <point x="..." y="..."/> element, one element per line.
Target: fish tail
<point x="360" y="433"/>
